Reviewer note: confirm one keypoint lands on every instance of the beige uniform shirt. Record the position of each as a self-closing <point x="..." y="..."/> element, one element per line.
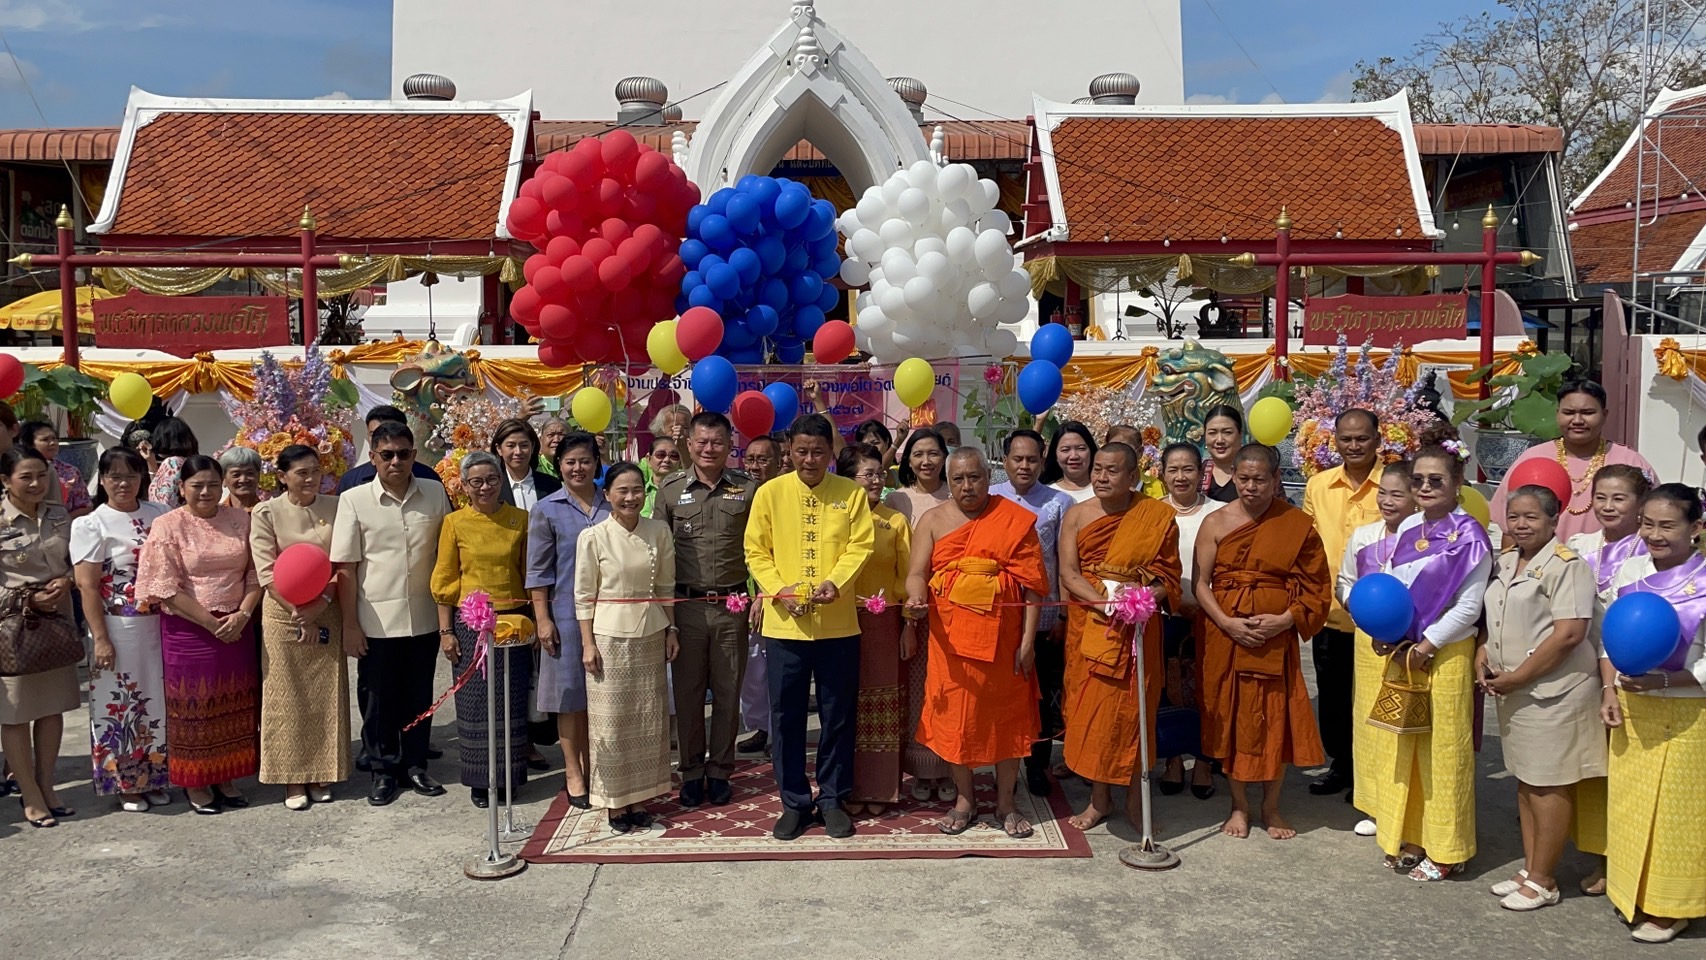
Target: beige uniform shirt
<point x="615" y="565"/>
<point x="1556" y="585"/>
<point x="34" y="550"/>
<point x="394" y="545"/>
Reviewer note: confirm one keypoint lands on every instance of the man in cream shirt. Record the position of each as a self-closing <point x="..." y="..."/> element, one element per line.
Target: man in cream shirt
<point x="385" y="542"/>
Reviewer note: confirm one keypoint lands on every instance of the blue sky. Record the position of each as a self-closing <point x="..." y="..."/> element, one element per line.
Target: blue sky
<point x="80" y="57"/>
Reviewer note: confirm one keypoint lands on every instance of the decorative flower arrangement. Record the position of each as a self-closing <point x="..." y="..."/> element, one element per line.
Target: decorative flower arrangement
<point x="466" y="423"/>
<point x="296" y="403"/>
<point x="1367" y="386"/>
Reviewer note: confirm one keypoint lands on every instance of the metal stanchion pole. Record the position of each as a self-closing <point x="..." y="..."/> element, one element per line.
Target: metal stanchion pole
<point x="496" y="864"/>
<point x="512" y="830"/>
<point x="1147" y="854"/>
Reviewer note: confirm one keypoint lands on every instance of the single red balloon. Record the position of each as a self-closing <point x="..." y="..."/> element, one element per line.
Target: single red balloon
<point x="559" y="193"/>
<point x="533" y="264"/>
<point x="551" y="287"/>
<point x="560" y="224"/>
<point x="301" y="572"/>
<point x="598" y="250"/>
<point x="580" y="273"/>
<point x="526" y="218"/>
<point x="597" y="343"/>
<point x="11" y="375"/>
<point x="524" y="306"/>
<point x="636" y="251"/>
<point x="1540" y="472"/>
<point x="615" y="230"/>
<point x="556" y="355"/>
<point x="560" y="249"/>
<point x="615" y="273"/>
<point x="651" y="171"/>
<point x="833" y="343"/>
<point x="621" y="151"/>
<point x="699" y="333"/>
<point x="753" y="414"/>
<point x="530" y="189"/>
<point x="558" y="322"/>
<point x="610" y="196"/>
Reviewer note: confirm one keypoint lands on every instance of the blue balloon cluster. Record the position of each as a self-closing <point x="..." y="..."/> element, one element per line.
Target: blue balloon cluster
<point x="1041" y="381"/>
<point x="761" y="254"/>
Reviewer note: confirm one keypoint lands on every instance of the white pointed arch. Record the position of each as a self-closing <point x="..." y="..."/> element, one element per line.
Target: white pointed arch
<point x="807" y="83"/>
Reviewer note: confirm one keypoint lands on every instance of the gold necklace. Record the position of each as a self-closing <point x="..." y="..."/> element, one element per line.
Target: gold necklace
<point x="1424" y="542"/>
<point x="1580" y="484"/>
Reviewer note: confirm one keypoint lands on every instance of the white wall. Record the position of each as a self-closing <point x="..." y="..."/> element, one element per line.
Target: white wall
<point x="572" y="53"/>
<point x="1670" y="419"/>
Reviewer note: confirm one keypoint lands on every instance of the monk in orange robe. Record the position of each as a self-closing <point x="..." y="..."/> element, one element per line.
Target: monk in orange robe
<point x="974" y="559"/>
<point x="1119" y="537"/>
<point x="1263" y="585"/>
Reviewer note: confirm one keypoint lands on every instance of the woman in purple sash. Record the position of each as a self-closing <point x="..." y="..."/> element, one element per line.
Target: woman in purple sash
<point x="1424" y="804"/>
<point x="1367" y="551"/>
<point x="1617" y="493"/>
<point x="1655" y="858"/>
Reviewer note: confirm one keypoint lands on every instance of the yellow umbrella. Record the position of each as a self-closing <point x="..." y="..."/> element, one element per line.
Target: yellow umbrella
<point x="40" y="312"/>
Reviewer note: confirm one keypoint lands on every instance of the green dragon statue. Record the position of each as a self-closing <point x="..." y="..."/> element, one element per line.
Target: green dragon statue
<point x="1190" y="380"/>
<point x="436" y="375"/>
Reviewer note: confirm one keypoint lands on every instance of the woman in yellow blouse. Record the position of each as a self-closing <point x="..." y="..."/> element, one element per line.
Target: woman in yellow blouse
<point x="483" y="547"/>
<point x="622" y="562"/>
<point x="885" y="640"/>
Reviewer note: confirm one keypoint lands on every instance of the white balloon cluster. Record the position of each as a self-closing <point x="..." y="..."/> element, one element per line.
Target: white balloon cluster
<point x="933" y="247"/>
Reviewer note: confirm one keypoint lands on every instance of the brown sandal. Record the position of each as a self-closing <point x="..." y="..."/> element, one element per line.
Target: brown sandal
<point x="1017" y="826"/>
<point x="955" y="823"/>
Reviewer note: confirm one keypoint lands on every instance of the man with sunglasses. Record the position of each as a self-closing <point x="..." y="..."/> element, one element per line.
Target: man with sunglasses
<point x="386" y="539"/>
<point x="356" y="476"/>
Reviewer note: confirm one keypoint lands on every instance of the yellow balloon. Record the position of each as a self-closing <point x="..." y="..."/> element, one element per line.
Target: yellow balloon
<point x="1270" y="420"/>
<point x="591" y="409"/>
<point x="131" y="395"/>
<point x="666" y="355"/>
<point x="1474" y="504"/>
<point x="914" y="382"/>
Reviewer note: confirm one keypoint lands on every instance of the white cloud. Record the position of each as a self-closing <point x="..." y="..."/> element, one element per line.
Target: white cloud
<point x="335" y="95"/>
<point x="1271" y="97"/>
<point x="27" y="74"/>
<point x="65" y="16"/>
<point x="1212" y="98"/>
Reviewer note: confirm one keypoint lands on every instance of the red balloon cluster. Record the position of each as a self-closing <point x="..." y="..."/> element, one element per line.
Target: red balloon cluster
<point x="607" y="217"/>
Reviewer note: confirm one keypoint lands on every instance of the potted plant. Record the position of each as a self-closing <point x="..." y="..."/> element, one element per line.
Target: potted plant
<point x="1521" y="409"/>
<point x="72" y="392"/>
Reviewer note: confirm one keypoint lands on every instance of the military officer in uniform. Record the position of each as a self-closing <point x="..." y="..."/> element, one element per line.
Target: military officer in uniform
<point x="706" y="507"/>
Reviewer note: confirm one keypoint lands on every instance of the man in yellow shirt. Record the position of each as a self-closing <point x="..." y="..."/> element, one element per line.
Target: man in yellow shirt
<point x="1341" y="499"/>
<point x="807" y="537"/>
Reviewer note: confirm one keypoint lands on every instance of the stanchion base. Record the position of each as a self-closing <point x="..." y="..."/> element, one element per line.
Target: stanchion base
<point x="1154" y="856"/>
<point x="485" y="869"/>
<point x="519" y="831"/>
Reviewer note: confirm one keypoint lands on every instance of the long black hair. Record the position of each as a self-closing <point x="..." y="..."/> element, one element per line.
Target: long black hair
<point x="115" y="457"/>
<point x="1052" y="472"/>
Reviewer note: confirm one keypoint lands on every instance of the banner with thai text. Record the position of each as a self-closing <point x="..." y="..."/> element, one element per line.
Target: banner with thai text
<point x="1388" y="321"/>
<point x="189" y="325"/>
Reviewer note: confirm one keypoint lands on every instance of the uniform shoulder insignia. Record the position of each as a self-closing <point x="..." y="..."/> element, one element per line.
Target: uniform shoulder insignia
<point x="676" y="479"/>
<point x="1565" y="553"/>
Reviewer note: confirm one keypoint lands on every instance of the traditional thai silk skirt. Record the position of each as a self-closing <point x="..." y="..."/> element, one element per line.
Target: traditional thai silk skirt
<point x="627" y="722"/>
<point x="212" y="703"/>
<point x="1366" y="740"/>
<point x="127" y="711"/>
<point x="472" y="736"/>
<point x="305" y="726"/>
<point x="1424" y="783"/>
<point x="1655" y="857"/>
<point x="882" y="709"/>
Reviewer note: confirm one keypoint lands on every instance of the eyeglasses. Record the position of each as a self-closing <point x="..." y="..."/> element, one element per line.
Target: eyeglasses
<point x="480" y="482"/>
<point x="868" y="475"/>
<point x="1424" y="482"/>
<point x="390" y="455"/>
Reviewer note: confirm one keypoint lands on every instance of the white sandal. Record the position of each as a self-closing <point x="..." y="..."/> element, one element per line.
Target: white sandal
<point x="1649" y="932"/>
<point x="1521" y="904"/>
<point x="320" y="794"/>
<point x="298" y="802"/>
<point x="1505" y="888"/>
<point x="135" y="806"/>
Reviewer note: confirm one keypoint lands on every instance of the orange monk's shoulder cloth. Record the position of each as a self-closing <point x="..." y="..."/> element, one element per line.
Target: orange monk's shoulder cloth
<point x="981" y="570"/>
<point x="1273" y="565"/>
<point x="1143" y="549"/>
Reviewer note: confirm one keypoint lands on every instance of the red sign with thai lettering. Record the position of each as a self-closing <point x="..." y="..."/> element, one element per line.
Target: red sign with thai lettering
<point x="1389" y="321"/>
<point x="188" y="325"/>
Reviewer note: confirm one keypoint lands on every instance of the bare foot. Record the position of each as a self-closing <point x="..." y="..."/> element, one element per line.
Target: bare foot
<point x="1277" y="826"/>
<point x="1089" y="817"/>
<point x="1237" y="825"/>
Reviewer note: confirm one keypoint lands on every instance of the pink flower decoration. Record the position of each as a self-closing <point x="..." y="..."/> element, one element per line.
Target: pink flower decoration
<point x="737" y="602"/>
<point x="992" y="375"/>
<point x="477" y="612"/>
<point x="1134" y="605"/>
<point x="876" y="603"/>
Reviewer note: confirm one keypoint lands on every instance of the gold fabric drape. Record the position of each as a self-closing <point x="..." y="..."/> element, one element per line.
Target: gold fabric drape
<point x="1676" y="363"/>
<point x="182" y="281"/>
<point x="1217" y="273"/>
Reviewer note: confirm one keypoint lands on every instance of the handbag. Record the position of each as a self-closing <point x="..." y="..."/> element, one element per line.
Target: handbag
<point x="1402" y="705"/>
<point x="35" y="642"/>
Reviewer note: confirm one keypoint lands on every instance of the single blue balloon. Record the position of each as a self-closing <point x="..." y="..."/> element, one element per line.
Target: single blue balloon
<point x="724" y="280"/>
<point x="708" y="261"/>
<point x="1382" y="607"/>
<point x="691" y="252"/>
<point x="1641" y="632"/>
<point x="713" y="384"/>
<point x="826" y="264"/>
<point x="696" y="219"/>
<point x="775" y="293"/>
<point x="1040" y="384"/>
<point x="784" y="400"/>
<point x="742" y="214"/>
<point x="765" y="191"/>
<point x="820" y="220"/>
<point x="746" y="262"/>
<point x="806" y="321"/>
<point x="789" y="351"/>
<point x="736" y="334"/>
<point x="691" y="279"/>
<point x="717" y="233"/>
<point x="748" y="183"/>
<point x="793" y="206"/>
<point x="719" y="201"/>
<point x="805" y="289"/>
<point x="772" y="253"/>
<point x="1053" y="343"/>
<point x="823" y="246"/>
<point x="828" y="298"/>
<point x="701" y="296"/>
<point x="762" y="320"/>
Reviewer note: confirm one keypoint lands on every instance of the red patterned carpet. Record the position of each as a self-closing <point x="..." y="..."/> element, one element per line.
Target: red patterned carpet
<point x="741" y="831"/>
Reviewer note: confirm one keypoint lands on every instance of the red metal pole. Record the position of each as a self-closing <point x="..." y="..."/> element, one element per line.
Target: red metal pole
<point x="1489" y="274"/>
<point x="67" y="288"/>
<point x="325" y="261"/>
<point x="310" y="284"/>
<point x="1282" y="296"/>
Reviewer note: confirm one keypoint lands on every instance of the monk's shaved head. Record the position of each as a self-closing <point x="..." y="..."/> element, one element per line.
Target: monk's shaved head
<point x="1259" y="453"/>
<point x="1121" y="450"/>
<point x="971" y="455"/>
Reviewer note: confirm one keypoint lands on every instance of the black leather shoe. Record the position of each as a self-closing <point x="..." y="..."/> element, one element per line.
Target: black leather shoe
<point x="837" y="823"/>
<point x="1037" y="781"/>
<point x="692" y="793"/>
<point x="479" y="797"/>
<point x="236" y="802"/>
<point x="791" y="824"/>
<point x="757" y="743"/>
<point x="1332" y="782"/>
<point x="425" y="785"/>
<point x="718" y="792"/>
<point x="383" y="791"/>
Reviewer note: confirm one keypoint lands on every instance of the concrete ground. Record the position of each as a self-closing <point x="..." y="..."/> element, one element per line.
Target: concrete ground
<point x="347" y="880"/>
